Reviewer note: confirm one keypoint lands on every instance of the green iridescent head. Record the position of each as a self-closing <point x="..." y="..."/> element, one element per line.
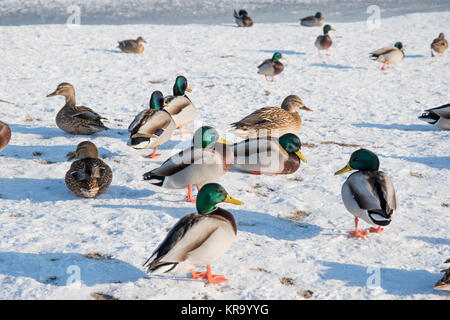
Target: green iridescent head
<point x="327" y="28"/>
<point x="180" y="86"/>
<point x="318" y="15"/>
<point x="206" y="136"/>
<point x="157" y="100"/>
<point x="291" y="143"/>
<point x="210" y="195"/>
<point x="277" y="56"/>
<point x="363" y="160"/>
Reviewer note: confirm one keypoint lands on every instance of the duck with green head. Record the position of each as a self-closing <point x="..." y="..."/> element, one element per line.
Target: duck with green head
<point x="313" y="21"/>
<point x="324" y="42"/>
<point x="209" y="158"/>
<point x="272" y="67"/>
<point x="179" y="106"/>
<point x="368" y="193"/>
<point x="198" y="239"/>
<point x="151" y="127"/>
<point x="269" y="155"/>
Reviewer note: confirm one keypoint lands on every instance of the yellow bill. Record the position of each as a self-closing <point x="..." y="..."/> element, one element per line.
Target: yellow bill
<point x="301" y="156"/>
<point x="223" y="141"/>
<point x="229" y="199"/>
<point x="344" y="169"/>
<point x="165" y="104"/>
<point x="188" y="89"/>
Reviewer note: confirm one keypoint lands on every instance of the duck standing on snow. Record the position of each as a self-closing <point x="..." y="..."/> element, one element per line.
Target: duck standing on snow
<point x="368" y="194"/>
<point x="151" y="127"/>
<point x="179" y="106"/>
<point x="89" y="176"/>
<point x="272" y="121"/>
<point x="324" y="42"/>
<point x="389" y="55"/>
<point x="313" y="21"/>
<point x="242" y="19"/>
<point x="272" y="67"/>
<point x="5" y="135"/>
<point x="206" y="161"/>
<point x="76" y="119"/>
<point x="439" y="116"/>
<point x="132" y="46"/>
<point x="444" y="283"/>
<point x="269" y="155"/>
<point x="199" y="238"/>
<point x="439" y="45"/>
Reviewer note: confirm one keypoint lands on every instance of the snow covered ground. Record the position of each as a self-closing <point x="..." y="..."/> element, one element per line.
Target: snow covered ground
<point x="292" y="230"/>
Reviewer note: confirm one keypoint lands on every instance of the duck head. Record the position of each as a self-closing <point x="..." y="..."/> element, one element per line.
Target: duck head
<point x="363" y="160"/>
<point x="206" y="136"/>
<point x="210" y="195"/>
<point x="291" y="143"/>
<point x="157" y="101"/>
<point x="292" y="103"/>
<point x="180" y="86"/>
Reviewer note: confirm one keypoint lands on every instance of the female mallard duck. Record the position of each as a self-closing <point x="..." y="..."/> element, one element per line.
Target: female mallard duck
<point x="269" y="155"/>
<point x="5" y="135"/>
<point x="132" y="46"/>
<point x="389" y="55"/>
<point x="439" y="45"/>
<point x="151" y="127"/>
<point x="444" y="283"/>
<point x="324" y="42"/>
<point x="368" y="194"/>
<point x="179" y="106"/>
<point x="76" y="119"/>
<point x="439" y="116"/>
<point x="206" y="161"/>
<point x="89" y="176"/>
<point x="199" y="238"/>
<point x="242" y="19"/>
<point x="313" y="21"/>
<point x="272" y="67"/>
<point x="272" y="121"/>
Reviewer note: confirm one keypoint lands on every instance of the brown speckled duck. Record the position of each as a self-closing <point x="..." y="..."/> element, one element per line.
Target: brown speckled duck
<point x="439" y="45"/>
<point x="76" y="119"/>
<point x="273" y="121"/>
<point x="324" y="42"/>
<point x="5" y="135"/>
<point x="89" y="176"/>
<point x="242" y="19"/>
<point x="132" y="46"/>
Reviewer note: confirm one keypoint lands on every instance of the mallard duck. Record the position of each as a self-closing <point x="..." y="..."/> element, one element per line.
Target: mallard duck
<point x="313" y="21"/>
<point x="132" y="46"/>
<point x="179" y="106"/>
<point x="389" y="55"/>
<point x="272" y="121"/>
<point x="76" y="119"/>
<point x="5" y="135"/>
<point x="242" y="19"/>
<point x="439" y="45"/>
<point x="324" y="42"/>
<point x="444" y="283"/>
<point x="151" y="127"/>
<point x="439" y="116"/>
<point x="208" y="159"/>
<point x="272" y="67"/>
<point x="269" y="155"/>
<point x="199" y="238"/>
<point x="89" y="176"/>
<point x="368" y="194"/>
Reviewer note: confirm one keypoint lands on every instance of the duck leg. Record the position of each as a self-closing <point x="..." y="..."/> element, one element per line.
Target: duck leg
<point x="210" y="278"/>
<point x="180" y="128"/>
<point x="154" y="154"/>
<point x="376" y="230"/>
<point x="189" y="195"/>
<point x="358" y="233"/>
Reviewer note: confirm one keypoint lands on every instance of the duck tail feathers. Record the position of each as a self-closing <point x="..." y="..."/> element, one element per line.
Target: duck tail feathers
<point x="154" y="179"/>
<point x="379" y="217"/>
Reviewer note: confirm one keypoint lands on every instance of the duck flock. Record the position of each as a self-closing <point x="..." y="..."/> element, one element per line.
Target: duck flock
<point x="269" y="145"/>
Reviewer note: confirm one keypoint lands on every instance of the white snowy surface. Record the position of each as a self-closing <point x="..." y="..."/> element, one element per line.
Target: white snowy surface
<point x="45" y="229"/>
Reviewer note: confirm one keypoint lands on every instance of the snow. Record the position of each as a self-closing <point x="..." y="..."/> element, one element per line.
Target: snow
<point x="45" y="230"/>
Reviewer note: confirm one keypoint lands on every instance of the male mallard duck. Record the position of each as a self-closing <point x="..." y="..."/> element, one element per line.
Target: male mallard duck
<point x="269" y="155"/>
<point x="444" y="283"/>
<point x="313" y="21"/>
<point x="76" y="119"/>
<point x="242" y="19"/>
<point x="207" y="160"/>
<point x="89" y="176"/>
<point x="368" y="194"/>
<point x="439" y="45"/>
<point x="132" y="46"/>
<point x="324" y="42"/>
<point x="272" y="121"/>
<point x="439" y="116"/>
<point x="5" y="135"/>
<point x="272" y="67"/>
<point x="199" y="238"/>
<point x="389" y="55"/>
<point x="179" y="106"/>
<point x="151" y="127"/>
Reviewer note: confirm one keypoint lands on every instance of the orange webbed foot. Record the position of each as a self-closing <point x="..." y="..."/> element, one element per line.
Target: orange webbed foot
<point x="358" y="233"/>
<point x="153" y="156"/>
<point x="376" y="230"/>
<point x="210" y="278"/>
